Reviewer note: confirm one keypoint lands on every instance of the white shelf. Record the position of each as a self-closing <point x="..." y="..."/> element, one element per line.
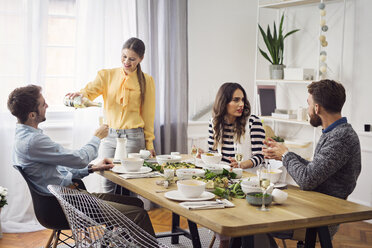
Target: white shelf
<point x="281" y="81"/>
<point x="291" y="121"/>
<point x="291" y="3"/>
<point x="366" y="134"/>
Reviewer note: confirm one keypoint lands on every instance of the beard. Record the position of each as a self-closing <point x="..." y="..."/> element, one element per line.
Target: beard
<point x="315" y="120"/>
<point x="40" y="118"/>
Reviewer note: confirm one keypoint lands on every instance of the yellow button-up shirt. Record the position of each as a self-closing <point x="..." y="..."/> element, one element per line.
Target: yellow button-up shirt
<point x="122" y="101"/>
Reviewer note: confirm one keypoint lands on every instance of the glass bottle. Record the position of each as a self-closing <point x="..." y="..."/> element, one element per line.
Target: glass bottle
<point x="80" y="102"/>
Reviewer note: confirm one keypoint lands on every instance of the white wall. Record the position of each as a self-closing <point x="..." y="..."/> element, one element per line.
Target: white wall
<point x="221" y="38"/>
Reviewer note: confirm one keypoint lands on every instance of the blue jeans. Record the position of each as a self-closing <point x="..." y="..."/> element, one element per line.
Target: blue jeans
<point x="135" y="142"/>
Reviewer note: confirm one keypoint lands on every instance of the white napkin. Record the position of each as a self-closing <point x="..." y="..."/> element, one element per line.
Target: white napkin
<point x="141" y="175"/>
<point x="207" y="204"/>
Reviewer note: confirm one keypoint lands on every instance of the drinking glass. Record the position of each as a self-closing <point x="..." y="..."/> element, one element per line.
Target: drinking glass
<point x="102" y="118"/>
<point x="194" y="150"/>
<point x="238" y="154"/>
<point x="264" y="180"/>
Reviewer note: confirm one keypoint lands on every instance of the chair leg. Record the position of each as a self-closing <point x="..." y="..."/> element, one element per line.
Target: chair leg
<point x="284" y="244"/>
<point x="56" y="239"/>
<point x="50" y="239"/>
<point x="212" y="241"/>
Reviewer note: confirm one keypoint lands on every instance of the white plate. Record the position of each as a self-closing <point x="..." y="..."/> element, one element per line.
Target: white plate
<point x="280" y="185"/>
<point x="177" y="196"/>
<point x="200" y="163"/>
<point x="120" y="169"/>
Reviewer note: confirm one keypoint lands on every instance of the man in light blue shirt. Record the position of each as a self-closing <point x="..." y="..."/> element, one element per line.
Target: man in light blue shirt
<point x="47" y="162"/>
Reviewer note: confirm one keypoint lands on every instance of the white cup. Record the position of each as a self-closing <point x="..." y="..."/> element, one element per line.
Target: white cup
<point x="238" y="172"/>
<point x="145" y="154"/>
<point x="134" y="155"/>
<point x="168" y="174"/>
<point x="175" y="153"/>
<point x="279" y="196"/>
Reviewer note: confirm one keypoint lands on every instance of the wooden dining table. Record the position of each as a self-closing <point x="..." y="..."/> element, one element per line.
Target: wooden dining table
<point x="303" y="209"/>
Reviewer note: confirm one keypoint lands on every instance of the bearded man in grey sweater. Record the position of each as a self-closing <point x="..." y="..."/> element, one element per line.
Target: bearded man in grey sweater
<point x="336" y="164"/>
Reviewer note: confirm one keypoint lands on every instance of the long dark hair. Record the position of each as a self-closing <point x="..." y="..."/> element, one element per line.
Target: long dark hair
<point x="223" y="97"/>
<point x="138" y="47"/>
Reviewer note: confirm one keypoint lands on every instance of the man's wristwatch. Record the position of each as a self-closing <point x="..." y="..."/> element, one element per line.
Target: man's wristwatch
<point x="90" y="168"/>
<point x="284" y="155"/>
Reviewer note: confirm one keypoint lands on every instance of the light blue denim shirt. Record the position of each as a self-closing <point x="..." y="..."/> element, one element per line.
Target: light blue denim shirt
<point x="46" y="162"/>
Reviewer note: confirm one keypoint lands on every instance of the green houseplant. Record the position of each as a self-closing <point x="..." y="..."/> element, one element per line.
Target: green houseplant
<point x="275" y="46"/>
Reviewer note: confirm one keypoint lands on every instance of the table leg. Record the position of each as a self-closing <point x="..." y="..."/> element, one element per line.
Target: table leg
<point x="310" y="237"/>
<point x="324" y="237"/>
<point x="175" y="228"/>
<point x="194" y="234"/>
<point x="235" y="242"/>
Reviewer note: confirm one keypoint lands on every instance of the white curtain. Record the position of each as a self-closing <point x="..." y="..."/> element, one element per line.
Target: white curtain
<point x="18" y="215"/>
<point x="162" y="24"/>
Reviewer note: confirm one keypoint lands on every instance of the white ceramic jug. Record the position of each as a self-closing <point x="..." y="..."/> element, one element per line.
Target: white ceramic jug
<point x="120" y="151"/>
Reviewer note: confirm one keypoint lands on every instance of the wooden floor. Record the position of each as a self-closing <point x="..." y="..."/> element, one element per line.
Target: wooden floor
<point x="350" y="235"/>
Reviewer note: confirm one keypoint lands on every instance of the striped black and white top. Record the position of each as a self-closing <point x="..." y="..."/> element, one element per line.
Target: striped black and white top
<point x="257" y="135"/>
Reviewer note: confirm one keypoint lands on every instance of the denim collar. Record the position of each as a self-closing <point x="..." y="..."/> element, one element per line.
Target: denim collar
<point x="335" y="124"/>
<point x="20" y="126"/>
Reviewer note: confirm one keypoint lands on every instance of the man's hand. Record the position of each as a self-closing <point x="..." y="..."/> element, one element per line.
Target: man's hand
<point x="104" y="164"/>
<point x="102" y="131"/>
<point x="274" y="150"/>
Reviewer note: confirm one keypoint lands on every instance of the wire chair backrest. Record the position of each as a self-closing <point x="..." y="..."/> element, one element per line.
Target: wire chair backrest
<point x="95" y="223"/>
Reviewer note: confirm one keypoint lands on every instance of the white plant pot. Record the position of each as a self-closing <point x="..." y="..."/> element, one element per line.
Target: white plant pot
<point x="277" y="71"/>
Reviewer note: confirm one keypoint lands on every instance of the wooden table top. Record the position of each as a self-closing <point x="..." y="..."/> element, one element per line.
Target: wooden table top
<point x="302" y="209"/>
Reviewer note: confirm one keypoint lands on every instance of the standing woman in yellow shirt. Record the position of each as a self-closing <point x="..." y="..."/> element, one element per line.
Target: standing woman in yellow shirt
<point x="129" y="102"/>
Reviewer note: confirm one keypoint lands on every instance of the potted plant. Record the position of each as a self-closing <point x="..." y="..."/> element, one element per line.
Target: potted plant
<point x="275" y="46"/>
<point x="3" y="202"/>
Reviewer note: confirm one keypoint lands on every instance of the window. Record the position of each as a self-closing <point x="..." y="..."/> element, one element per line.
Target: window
<point x="38" y="48"/>
<point x="60" y="50"/>
<point x="12" y="47"/>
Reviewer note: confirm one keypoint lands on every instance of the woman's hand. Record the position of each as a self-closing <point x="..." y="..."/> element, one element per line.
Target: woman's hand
<point x="153" y="153"/>
<point x="233" y="163"/>
<point x="244" y="164"/>
<point x="199" y="153"/>
<point x="73" y="95"/>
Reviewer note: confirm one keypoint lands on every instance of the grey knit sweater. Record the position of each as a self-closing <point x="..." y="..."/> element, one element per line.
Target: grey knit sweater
<point x="335" y="167"/>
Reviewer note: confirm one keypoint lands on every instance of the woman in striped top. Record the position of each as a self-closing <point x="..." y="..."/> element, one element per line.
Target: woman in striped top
<point x="233" y="129"/>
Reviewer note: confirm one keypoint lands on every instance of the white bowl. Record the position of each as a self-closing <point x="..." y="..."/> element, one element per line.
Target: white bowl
<point x="162" y="159"/>
<point x="183" y="174"/>
<point x="134" y="155"/>
<point x="211" y="158"/>
<point x="274" y="175"/>
<point x="250" y="185"/>
<point x="132" y="164"/>
<point x="253" y="186"/>
<point x="145" y="154"/>
<point x="238" y="172"/>
<point x="279" y="196"/>
<point x="216" y="168"/>
<point x="191" y="188"/>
